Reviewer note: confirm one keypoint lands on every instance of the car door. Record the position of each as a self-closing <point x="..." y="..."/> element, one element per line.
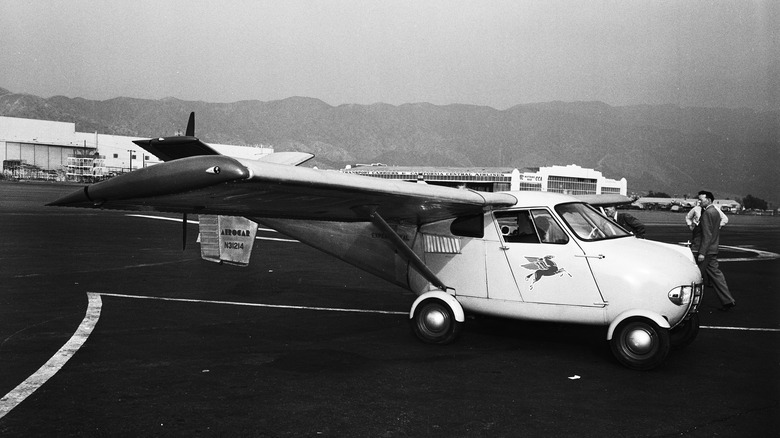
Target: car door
<point x="455" y="251"/>
<point x="547" y="263"/>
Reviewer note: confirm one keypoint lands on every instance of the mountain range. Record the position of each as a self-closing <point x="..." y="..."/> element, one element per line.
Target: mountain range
<point x="663" y="148"/>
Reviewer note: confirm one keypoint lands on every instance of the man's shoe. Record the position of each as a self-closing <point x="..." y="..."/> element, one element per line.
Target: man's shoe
<point x="727" y="307"/>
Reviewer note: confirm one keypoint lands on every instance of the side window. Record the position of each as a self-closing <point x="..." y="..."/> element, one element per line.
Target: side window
<point x="468" y="226"/>
<point x="517" y="227"/>
<point x="549" y="231"/>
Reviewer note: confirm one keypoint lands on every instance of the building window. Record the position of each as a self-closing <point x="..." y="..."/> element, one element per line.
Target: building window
<point x="571" y="185"/>
<point x="529" y="186"/>
<point x="116" y="155"/>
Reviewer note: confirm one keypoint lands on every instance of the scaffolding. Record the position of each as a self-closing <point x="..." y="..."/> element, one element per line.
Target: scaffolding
<point x="21" y="170"/>
<point x="85" y="168"/>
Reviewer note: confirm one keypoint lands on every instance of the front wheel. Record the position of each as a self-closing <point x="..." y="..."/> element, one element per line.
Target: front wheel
<point x="682" y="335"/>
<point x="640" y="343"/>
<point x="435" y="323"/>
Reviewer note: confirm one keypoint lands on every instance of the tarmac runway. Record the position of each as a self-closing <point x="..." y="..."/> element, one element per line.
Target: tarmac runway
<point x="109" y="328"/>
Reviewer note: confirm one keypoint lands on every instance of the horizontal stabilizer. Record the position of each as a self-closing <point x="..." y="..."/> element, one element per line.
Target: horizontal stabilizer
<point x="289" y="158"/>
<point x="174" y="148"/>
<point x="178" y="147"/>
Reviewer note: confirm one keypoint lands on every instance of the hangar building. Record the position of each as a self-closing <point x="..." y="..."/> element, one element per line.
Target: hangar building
<point x="44" y="149"/>
<point x="571" y="179"/>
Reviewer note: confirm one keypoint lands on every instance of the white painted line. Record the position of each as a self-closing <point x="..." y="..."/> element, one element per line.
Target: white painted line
<point x="119" y="268"/>
<point x="760" y="255"/>
<point x="268" y="230"/>
<point x="747" y="329"/>
<point x="161" y="218"/>
<point x="173" y="219"/>
<point x="275" y="239"/>
<point x="273" y="306"/>
<point x="336" y="309"/>
<point x="50" y="368"/>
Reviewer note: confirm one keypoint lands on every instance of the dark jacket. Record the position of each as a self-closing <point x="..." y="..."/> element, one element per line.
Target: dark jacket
<point x="632" y="224"/>
<point x="710" y="231"/>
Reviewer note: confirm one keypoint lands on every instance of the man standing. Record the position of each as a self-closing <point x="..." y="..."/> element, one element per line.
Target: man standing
<point x="692" y="218"/>
<point x="708" y="249"/>
<point x="627" y="221"/>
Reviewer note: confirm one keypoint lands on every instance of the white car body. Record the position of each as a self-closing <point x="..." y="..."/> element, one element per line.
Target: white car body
<point x="598" y="282"/>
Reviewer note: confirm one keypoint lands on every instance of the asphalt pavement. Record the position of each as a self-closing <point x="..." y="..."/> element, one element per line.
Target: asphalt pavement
<point x="302" y="344"/>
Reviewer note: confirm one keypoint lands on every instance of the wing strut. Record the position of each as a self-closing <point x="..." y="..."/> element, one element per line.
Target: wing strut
<point x="184" y="232"/>
<point x="406" y="251"/>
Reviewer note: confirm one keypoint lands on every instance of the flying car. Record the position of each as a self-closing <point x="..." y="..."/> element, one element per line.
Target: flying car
<point x="525" y="255"/>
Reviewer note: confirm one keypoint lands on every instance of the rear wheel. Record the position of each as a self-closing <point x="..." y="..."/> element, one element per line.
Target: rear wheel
<point x="434" y="322"/>
<point x="685" y="332"/>
<point x="640" y="344"/>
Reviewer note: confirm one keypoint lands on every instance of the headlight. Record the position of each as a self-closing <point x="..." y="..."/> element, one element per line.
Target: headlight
<point x="681" y="295"/>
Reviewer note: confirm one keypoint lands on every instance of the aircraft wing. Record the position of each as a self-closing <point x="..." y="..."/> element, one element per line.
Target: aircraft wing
<point x="222" y="185"/>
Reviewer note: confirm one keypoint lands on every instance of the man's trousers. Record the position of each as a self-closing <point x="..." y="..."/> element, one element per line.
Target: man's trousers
<point x="710" y="270"/>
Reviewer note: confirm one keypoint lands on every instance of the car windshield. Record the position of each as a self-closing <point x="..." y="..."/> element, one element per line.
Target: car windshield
<point x="589" y="224"/>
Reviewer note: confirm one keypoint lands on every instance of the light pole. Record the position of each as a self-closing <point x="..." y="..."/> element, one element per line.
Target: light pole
<point x="131" y="159"/>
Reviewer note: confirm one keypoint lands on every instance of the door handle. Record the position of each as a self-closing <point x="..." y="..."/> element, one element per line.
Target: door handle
<point x="600" y="256"/>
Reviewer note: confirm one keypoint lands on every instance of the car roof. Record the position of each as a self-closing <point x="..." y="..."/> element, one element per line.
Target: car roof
<point x="540" y="199"/>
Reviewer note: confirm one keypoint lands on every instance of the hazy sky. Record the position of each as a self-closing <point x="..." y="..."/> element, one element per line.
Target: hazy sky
<point x="496" y="53"/>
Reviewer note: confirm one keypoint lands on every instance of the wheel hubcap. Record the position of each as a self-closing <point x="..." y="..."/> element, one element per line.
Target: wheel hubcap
<point x="639" y="341"/>
<point x="435" y="320"/>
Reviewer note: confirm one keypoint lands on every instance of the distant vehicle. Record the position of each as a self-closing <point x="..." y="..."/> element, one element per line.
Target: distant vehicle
<point x="525" y="255"/>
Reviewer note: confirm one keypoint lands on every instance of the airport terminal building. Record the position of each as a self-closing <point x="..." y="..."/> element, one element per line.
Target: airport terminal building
<point x="571" y="179"/>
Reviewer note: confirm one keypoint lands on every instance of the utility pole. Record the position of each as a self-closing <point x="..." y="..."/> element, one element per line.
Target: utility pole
<point x="131" y="159"/>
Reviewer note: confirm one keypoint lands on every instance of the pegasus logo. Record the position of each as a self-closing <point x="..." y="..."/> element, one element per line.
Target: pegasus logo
<point x="542" y="267"/>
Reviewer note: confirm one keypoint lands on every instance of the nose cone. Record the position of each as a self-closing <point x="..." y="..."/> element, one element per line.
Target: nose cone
<point x="75" y="199"/>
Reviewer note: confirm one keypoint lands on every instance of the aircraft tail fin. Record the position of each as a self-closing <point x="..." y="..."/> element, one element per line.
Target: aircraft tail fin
<point x="191" y="125"/>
